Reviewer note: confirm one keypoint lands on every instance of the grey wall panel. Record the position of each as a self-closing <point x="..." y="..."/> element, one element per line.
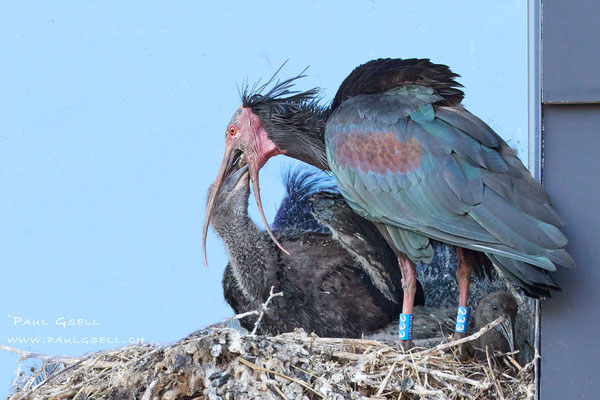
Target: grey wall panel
<point x="570" y="351"/>
<point x="570" y="50"/>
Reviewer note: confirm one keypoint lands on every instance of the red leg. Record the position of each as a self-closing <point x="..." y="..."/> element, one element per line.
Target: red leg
<point x="409" y="287"/>
<point x="463" y="276"/>
<point x="409" y="283"/>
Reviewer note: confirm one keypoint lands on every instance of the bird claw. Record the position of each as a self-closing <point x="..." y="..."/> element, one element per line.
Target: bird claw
<point x="461" y="352"/>
<point x="406" y="344"/>
<point x="458" y="335"/>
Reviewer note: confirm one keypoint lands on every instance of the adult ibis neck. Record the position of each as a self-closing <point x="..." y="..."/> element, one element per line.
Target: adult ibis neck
<point x="301" y="134"/>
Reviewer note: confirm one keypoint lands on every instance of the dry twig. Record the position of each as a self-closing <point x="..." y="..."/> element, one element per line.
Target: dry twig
<point x="264" y="309"/>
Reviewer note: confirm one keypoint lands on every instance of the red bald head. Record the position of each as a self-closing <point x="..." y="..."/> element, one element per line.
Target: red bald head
<point x="246" y="142"/>
<point x="245" y="132"/>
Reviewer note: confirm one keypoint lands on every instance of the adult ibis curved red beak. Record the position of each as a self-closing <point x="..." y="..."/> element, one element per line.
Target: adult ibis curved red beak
<point x="246" y="142"/>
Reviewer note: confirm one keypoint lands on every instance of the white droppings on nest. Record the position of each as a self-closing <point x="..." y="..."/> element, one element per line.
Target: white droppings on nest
<point x="215" y="350"/>
<point x="337" y="378"/>
<point x="235" y="346"/>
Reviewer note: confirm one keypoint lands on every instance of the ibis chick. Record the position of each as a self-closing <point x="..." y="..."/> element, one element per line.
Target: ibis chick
<point x="325" y="289"/>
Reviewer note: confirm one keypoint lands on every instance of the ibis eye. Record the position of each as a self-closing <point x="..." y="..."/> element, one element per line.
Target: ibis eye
<point x="233" y="130"/>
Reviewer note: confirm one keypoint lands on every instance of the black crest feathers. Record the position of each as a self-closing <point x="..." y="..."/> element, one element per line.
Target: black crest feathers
<point x="277" y="95"/>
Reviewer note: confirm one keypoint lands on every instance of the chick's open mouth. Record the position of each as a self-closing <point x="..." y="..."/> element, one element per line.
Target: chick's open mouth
<point x="238" y="160"/>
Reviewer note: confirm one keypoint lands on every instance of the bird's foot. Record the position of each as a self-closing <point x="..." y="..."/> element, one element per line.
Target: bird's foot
<point x="462" y="352"/>
<point x="458" y="335"/>
<point x="406" y="344"/>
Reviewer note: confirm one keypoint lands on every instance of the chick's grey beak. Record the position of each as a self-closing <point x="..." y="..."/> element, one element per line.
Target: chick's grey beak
<point x="506" y="328"/>
<point x="233" y="158"/>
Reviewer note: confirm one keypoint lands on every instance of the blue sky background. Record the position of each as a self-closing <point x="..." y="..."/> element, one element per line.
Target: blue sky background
<point x="112" y="119"/>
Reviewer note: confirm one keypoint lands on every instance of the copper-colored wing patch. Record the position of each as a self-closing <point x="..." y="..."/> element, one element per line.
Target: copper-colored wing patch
<point x="380" y="152"/>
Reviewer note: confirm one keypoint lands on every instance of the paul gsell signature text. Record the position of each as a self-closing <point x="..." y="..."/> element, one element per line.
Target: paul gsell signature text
<point x="60" y="321"/>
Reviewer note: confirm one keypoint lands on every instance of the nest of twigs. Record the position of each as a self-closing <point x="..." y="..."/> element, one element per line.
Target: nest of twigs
<point x="223" y="363"/>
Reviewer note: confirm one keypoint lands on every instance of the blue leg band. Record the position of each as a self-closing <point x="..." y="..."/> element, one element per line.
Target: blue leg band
<point x="462" y="320"/>
<point x="405" y="327"/>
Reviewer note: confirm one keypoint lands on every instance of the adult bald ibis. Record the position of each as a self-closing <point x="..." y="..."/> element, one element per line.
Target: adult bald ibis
<point x="325" y="288"/>
<point x="408" y="156"/>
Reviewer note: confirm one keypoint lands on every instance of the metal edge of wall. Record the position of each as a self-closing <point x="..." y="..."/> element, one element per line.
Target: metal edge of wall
<point x="535" y="155"/>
